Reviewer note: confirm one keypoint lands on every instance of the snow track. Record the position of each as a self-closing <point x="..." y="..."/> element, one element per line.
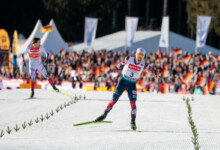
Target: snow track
<point x="161" y="118"/>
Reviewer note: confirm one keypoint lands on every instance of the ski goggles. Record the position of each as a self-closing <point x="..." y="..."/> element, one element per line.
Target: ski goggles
<point x="139" y="55"/>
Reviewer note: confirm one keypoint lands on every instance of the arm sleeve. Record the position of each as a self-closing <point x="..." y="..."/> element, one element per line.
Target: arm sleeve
<point x="45" y="52"/>
<point x="25" y="51"/>
<point x="125" y="60"/>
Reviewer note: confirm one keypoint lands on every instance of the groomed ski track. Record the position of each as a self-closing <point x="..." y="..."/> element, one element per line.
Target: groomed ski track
<point x="162" y="120"/>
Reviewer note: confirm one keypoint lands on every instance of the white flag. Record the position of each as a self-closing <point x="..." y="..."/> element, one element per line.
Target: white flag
<point x="131" y="27"/>
<point x="164" y="37"/>
<point x="202" y="30"/>
<point x="90" y="31"/>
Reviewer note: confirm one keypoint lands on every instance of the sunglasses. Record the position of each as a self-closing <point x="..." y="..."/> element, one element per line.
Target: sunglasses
<point x="141" y="56"/>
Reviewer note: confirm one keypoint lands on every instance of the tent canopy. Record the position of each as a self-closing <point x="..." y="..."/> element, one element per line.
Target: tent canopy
<point x="52" y="41"/>
<point x="146" y="39"/>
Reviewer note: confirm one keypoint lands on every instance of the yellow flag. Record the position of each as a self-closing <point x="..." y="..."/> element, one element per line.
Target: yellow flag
<point x="4" y="40"/>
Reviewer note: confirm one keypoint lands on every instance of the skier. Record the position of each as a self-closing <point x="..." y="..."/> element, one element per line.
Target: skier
<point x="132" y="68"/>
<point x="34" y="51"/>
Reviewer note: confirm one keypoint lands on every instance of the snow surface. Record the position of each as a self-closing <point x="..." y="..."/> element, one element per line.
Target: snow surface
<point x="162" y="120"/>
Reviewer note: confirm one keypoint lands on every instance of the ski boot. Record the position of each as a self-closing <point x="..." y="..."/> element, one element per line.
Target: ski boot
<point x="32" y="94"/>
<point x="55" y="88"/>
<point x="101" y="118"/>
<point x="133" y="125"/>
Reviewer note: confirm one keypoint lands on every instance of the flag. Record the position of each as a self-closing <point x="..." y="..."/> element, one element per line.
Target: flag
<point x="51" y="56"/>
<point x="187" y="78"/>
<point x="131" y="27"/>
<point x="15" y="47"/>
<point x="165" y="58"/>
<point x="201" y="81"/>
<point x="165" y="72"/>
<point x="59" y="69"/>
<point x="165" y="88"/>
<point x="202" y="30"/>
<point x="214" y="58"/>
<point x="177" y="61"/>
<point x="159" y="54"/>
<point x="205" y="63"/>
<point x="186" y="59"/>
<point x="178" y="51"/>
<point x="158" y="60"/>
<point x="69" y="55"/>
<point x="210" y="85"/>
<point x="62" y="52"/>
<point x="90" y="31"/>
<point x="48" y="28"/>
<point x="205" y="90"/>
<point x="164" y="37"/>
<point x="171" y="52"/>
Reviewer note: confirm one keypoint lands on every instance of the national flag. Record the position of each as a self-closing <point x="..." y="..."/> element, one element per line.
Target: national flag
<point x="205" y="63"/>
<point x="205" y="90"/>
<point x="62" y="52"/>
<point x="59" y="69"/>
<point x="158" y="60"/>
<point x="69" y="55"/>
<point x="147" y="74"/>
<point x="51" y="56"/>
<point x="178" y="51"/>
<point x="159" y="54"/>
<point x="47" y="28"/>
<point x="177" y="61"/>
<point x="214" y="58"/>
<point x="171" y="52"/>
<point x="201" y="81"/>
<point x="186" y="59"/>
<point x="187" y="78"/>
<point x="210" y="85"/>
<point x="113" y="65"/>
<point x="67" y="71"/>
<point x="165" y="58"/>
<point x="165" y="72"/>
<point x="165" y="88"/>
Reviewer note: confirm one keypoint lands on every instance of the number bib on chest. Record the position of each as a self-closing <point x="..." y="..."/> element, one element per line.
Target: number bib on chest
<point x="131" y="71"/>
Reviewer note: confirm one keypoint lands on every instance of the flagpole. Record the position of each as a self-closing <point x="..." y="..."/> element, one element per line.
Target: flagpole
<point x="196" y="48"/>
<point x="168" y="35"/>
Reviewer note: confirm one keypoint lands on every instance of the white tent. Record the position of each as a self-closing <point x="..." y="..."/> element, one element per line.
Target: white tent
<point x="146" y="39"/>
<point x="35" y="33"/>
<point x="52" y="41"/>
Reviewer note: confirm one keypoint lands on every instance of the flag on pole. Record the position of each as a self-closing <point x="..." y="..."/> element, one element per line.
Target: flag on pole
<point x="48" y="28"/>
<point x="186" y="59"/>
<point x="178" y="51"/>
<point x="187" y="78"/>
<point x="131" y="27"/>
<point x="165" y="88"/>
<point x="205" y="90"/>
<point x="210" y="85"/>
<point x="201" y="81"/>
<point x="165" y="72"/>
<point x="205" y="63"/>
<point x="15" y="47"/>
<point x="164" y="37"/>
<point x="90" y="31"/>
<point x="159" y="53"/>
<point x="202" y="30"/>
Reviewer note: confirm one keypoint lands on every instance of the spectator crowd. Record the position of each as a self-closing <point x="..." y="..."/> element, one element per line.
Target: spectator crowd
<point x="179" y="72"/>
